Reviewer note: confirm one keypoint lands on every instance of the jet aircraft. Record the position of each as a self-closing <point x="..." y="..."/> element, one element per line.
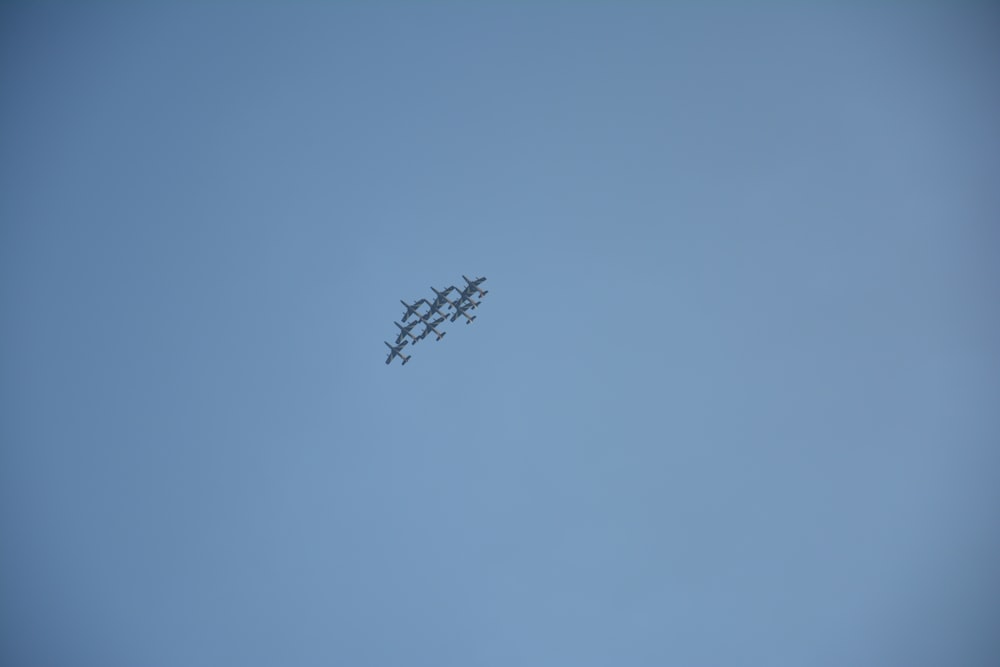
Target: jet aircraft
<point x="467" y="300"/>
<point x="474" y="285"/>
<point x="432" y="308"/>
<point x="396" y="351"/>
<point x="442" y="297"/>
<point x="411" y="310"/>
<point x="461" y="311"/>
<point x="425" y="317"/>
<point x="429" y="327"/>
<point x="404" y="331"/>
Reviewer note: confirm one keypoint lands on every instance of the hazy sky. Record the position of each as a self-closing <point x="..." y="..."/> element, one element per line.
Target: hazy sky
<point x="733" y="397"/>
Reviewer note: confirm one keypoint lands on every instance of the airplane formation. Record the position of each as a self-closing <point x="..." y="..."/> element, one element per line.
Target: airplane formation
<point x="435" y="314"/>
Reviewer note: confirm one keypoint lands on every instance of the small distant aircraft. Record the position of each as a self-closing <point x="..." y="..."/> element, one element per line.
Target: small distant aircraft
<point x="404" y="331"/>
<point x="411" y="310"/>
<point x="432" y="308"/>
<point x="461" y="311"/>
<point x="474" y="285"/>
<point x="426" y="317"/>
<point x="442" y="297"/>
<point x="439" y="300"/>
<point x="429" y="327"/>
<point x="396" y="351"/>
<point x="467" y="300"/>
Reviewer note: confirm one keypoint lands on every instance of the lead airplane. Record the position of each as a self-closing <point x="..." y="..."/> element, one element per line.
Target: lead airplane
<point x="404" y="331"/>
<point x="412" y="310"/>
<point x="396" y="351"/>
<point x="429" y="327"/>
<point x="474" y="285"/>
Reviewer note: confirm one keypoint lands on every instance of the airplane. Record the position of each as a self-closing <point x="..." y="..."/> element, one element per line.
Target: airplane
<point x="425" y="317"/>
<point x="397" y="352"/>
<point x="405" y="331"/>
<point x="461" y="311"/>
<point x="429" y="327"/>
<point x="474" y="285"/>
<point x="411" y="310"/>
<point x="468" y="300"/>
<point x="442" y="297"/>
<point x="433" y="308"/>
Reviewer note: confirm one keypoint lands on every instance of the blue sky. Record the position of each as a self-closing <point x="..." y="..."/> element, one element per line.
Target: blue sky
<point x="731" y="400"/>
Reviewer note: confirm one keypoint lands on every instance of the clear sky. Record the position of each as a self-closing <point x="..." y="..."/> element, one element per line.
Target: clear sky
<point x="733" y="397"/>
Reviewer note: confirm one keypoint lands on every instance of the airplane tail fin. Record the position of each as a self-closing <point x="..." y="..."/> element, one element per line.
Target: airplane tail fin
<point x="469" y="321"/>
<point x="405" y="359"/>
<point x="441" y="335"/>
